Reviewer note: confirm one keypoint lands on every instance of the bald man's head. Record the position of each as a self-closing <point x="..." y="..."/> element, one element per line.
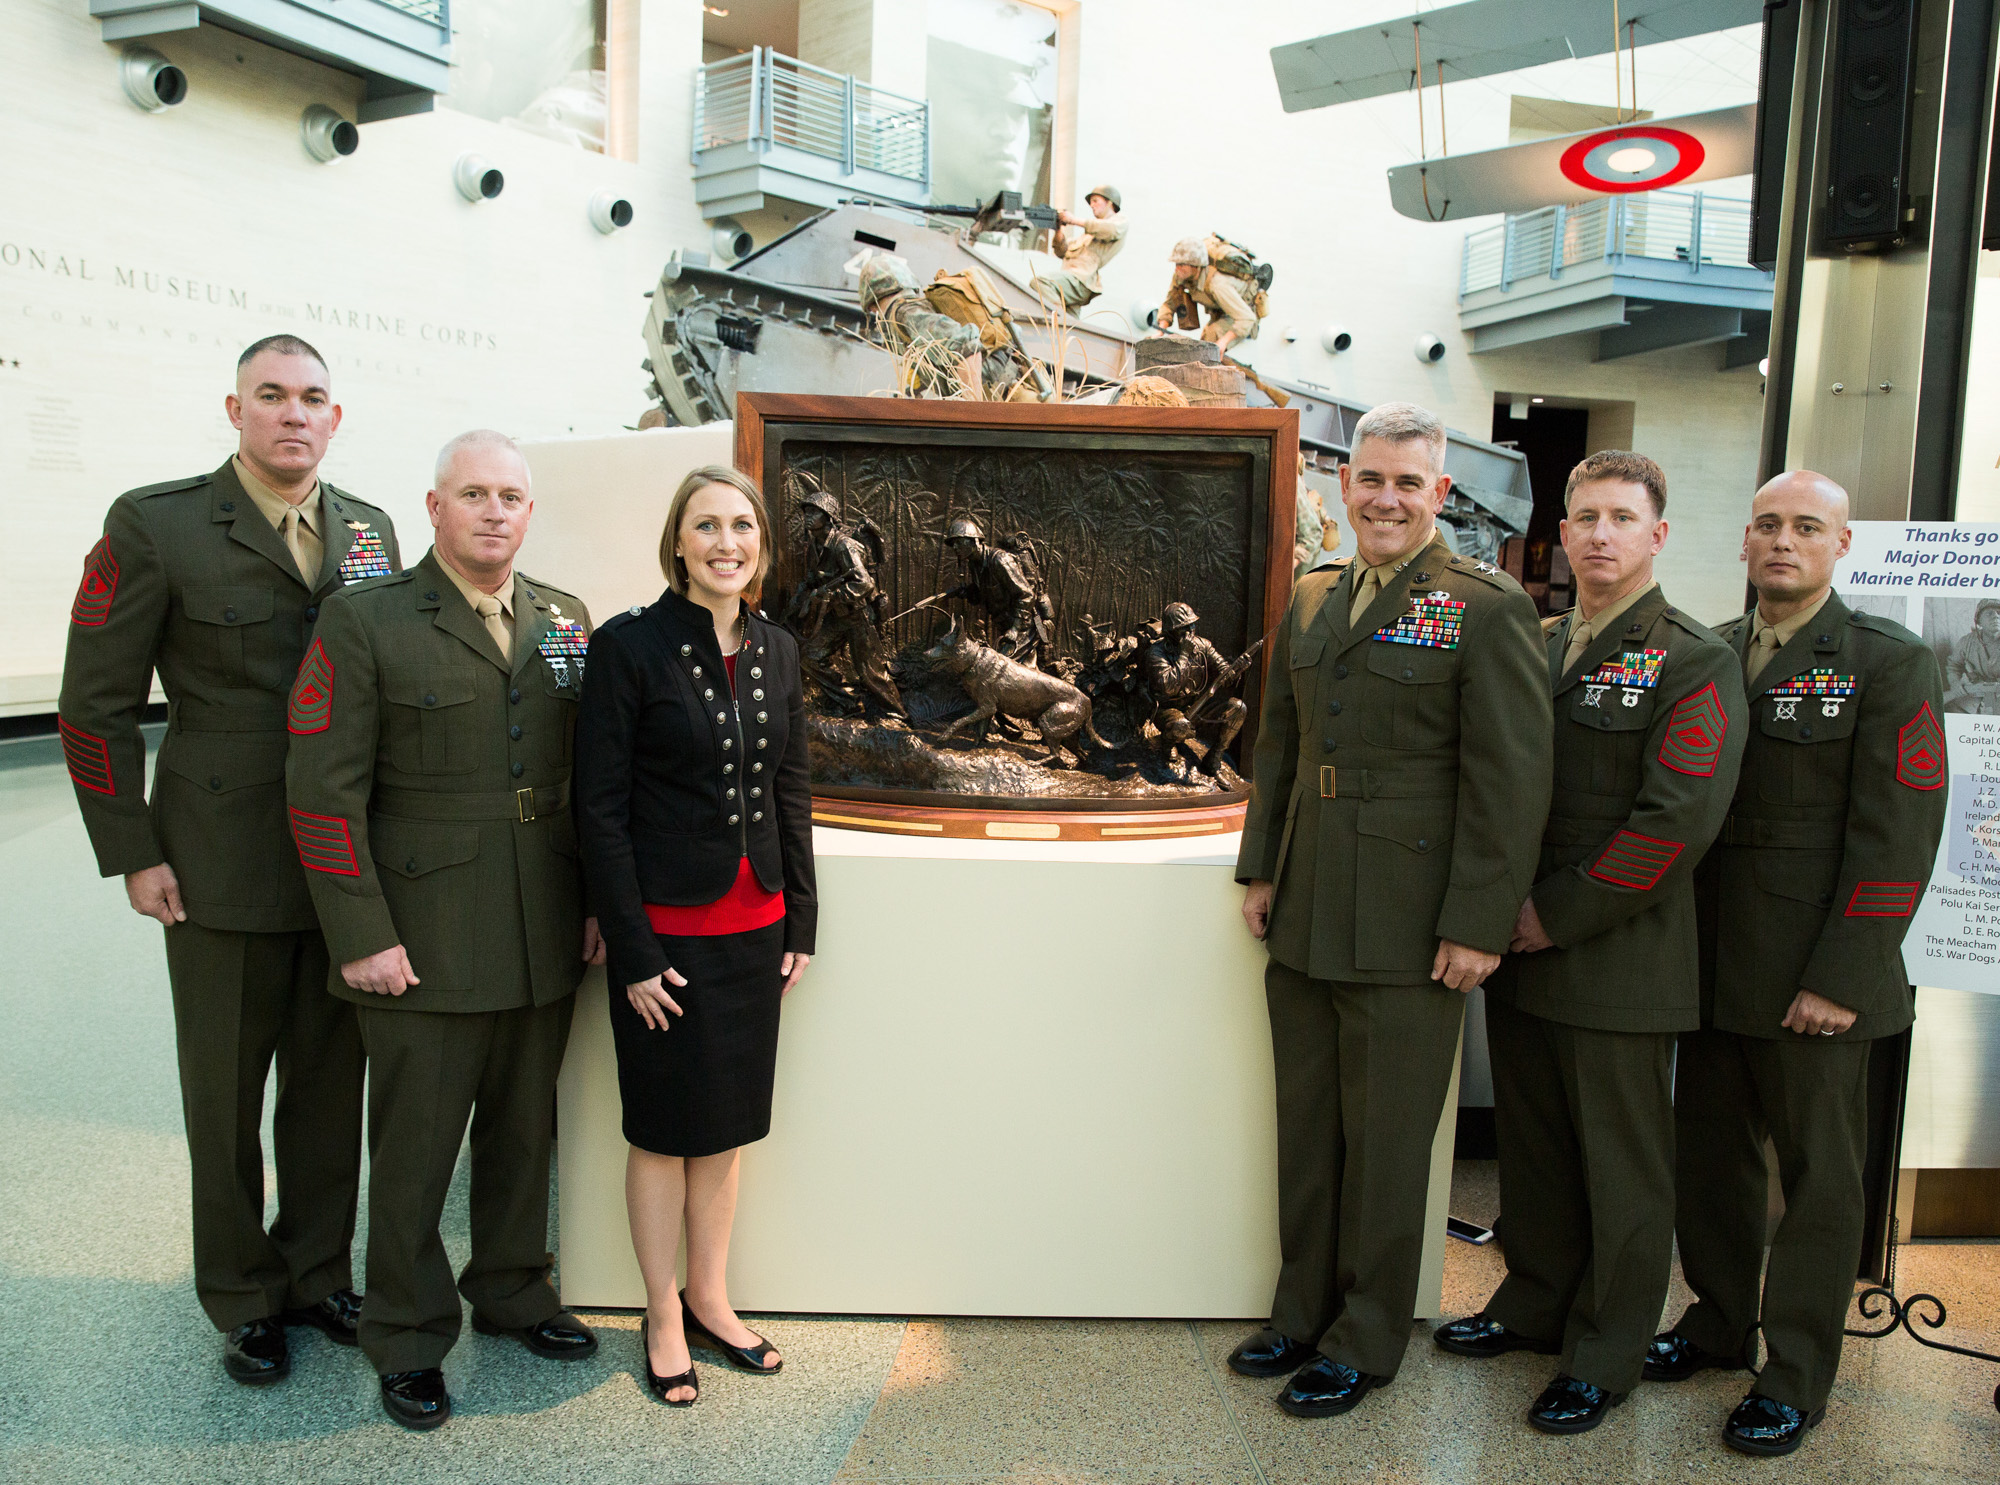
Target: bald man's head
<point x="1797" y="532"/>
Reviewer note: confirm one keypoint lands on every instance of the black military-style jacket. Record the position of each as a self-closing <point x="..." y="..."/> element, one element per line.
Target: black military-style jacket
<point x="1833" y="829"/>
<point x="192" y="581"/>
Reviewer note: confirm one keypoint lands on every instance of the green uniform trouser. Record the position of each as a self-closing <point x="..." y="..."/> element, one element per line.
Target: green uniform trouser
<point x="429" y="1072"/>
<point x="1811" y="1098"/>
<point x="1585" y="1125"/>
<point x="242" y="1000"/>
<point x="1362" y="1072"/>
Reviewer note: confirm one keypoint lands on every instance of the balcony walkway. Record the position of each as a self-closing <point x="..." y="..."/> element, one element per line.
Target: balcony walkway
<point x="109" y="1372"/>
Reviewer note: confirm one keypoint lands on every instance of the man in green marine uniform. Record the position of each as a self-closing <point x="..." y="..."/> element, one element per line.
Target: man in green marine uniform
<point x="215" y="582"/>
<point x="1581" y="1018"/>
<point x="1401" y="781"/>
<point x="1804" y="902"/>
<point x="429" y="788"/>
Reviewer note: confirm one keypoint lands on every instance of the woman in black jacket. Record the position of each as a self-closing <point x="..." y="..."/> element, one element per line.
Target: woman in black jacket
<point x="694" y="812"/>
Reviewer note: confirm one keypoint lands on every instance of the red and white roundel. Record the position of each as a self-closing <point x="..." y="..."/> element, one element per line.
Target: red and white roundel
<point x="1635" y="157"/>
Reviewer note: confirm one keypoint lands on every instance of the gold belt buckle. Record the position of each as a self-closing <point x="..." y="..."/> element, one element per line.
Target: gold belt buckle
<point x="1326" y="781"/>
<point x="524" y="804"/>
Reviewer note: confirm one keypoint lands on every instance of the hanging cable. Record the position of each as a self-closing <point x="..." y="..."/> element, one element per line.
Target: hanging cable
<point x="1617" y="63"/>
<point x="1632" y="57"/>
<point x="1417" y="35"/>
<point x="1444" y="137"/>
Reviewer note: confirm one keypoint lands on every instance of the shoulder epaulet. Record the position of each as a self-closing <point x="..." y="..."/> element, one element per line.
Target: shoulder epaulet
<point x="1691" y="624"/>
<point x="551" y="591"/>
<point x="1881" y="625"/>
<point x="1728" y="627"/>
<point x="620" y="619"/>
<point x="1554" y="622"/>
<point x="1323" y="575"/>
<point x="167" y="487"/>
<point x="1485" y="571"/>
<point x="350" y="499"/>
<point x="377" y="584"/>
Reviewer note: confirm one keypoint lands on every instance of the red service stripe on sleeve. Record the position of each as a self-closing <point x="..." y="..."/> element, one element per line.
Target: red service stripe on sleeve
<point x="1920" y="751"/>
<point x="1883" y="899"/>
<point x="1635" y="860"/>
<point x="311" y="708"/>
<point x="100" y="582"/>
<point x="88" y="759"/>
<point x="325" y="844"/>
<point x="1693" y="743"/>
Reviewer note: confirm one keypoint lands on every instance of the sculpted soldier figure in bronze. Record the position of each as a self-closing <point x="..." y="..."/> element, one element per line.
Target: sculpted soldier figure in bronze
<point x="1187" y="682"/>
<point x="838" y="607"/>
<point x="1000" y="582"/>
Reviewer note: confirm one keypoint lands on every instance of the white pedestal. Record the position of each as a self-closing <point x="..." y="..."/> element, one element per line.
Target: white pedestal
<point x="1019" y="1079"/>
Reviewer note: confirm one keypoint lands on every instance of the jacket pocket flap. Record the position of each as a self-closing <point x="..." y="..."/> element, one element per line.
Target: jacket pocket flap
<point x="1802" y="876"/>
<point x="222" y="761"/>
<point x="1307" y="649"/>
<point x="214" y="604"/>
<point x="429" y="686"/>
<point x="1610" y="714"/>
<point x="1809" y="722"/>
<point x="1411" y="665"/>
<point x="1419" y="824"/>
<point x="411" y="848"/>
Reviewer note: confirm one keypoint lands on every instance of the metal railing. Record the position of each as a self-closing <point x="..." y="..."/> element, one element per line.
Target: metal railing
<point x="1687" y="227"/>
<point x="437" y="12"/>
<point x="765" y="99"/>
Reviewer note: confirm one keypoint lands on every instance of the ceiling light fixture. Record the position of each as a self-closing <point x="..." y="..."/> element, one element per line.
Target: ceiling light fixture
<point x="1631" y="161"/>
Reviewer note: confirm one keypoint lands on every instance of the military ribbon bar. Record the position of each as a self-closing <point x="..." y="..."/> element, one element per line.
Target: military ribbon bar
<point x="564" y="646"/>
<point x="325" y="844"/>
<point x="311" y="707"/>
<point x="1636" y="668"/>
<point x="1883" y="899"/>
<point x="1820" y="682"/>
<point x="1693" y="744"/>
<point x="1920" y="751"/>
<point x="367" y="558"/>
<point x="1433" y="620"/>
<point x="87" y="758"/>
<point x="100" y="584"/>
<point x="1635" y="860"/>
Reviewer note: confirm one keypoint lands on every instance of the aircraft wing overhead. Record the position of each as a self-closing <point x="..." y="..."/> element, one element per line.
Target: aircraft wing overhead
<point x="1479" y="39"/>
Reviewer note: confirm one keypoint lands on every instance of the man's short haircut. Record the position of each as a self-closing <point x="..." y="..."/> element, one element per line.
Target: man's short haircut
<point x="1403" y="422"/>
<point x="284" y="345"/>
<point x="1625" y="466"/>
<point x="477" y="438"/>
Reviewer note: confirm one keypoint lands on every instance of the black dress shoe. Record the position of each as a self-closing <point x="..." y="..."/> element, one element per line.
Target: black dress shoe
<point x="416" y="1399"/>
<point x="1476" y="1335"/>
<point x="1571" y="1405"/>
<point x="256" y="1353"/>
<point x="338" y="1315"/>
<point x="1325" y="1389"/>
<point x="1672" y="1357"/>
<point x="560" y="1337"/>
<point x="743" y="1358"/>
<point x="660" y="1386"/>
<point x="1269" y="1354"/>
<point x="1762" y="1425"/>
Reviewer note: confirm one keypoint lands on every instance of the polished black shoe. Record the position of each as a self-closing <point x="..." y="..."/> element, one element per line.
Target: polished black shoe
<point x="1762" y="1425"/>
<point x="416" y="1399"/>
<point x="560" y="1337"/>
<point x="1571" y="1405"/>
<point x="1326" y="1389"/>
<point x="660" y="1386"/>
<point x="1476" y="1335"/>
<point x="743" y="1358"/>
<point x="1672" y="1357"/>
<point x="1269" y="1354"/>
<point x="256" y="1354"/>
<point x="338" y="1315"/>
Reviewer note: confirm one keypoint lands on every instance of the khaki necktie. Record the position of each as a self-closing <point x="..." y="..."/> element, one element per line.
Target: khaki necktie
<point x="1364" y="594"/>
<point x="495" y="620"/>
<point x="1580" y="637"/>
<point x="294" y="533"/>
<point x="1762" y="648"/>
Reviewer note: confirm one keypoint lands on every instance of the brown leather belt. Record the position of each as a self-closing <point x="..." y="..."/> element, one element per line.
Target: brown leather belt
<point x="1382" y="783"/>
<point x="522" y="805"/>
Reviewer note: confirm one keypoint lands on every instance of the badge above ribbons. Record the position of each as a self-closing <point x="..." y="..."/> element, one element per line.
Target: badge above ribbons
<point x="1831" y="689"/>
<point x="367" y="558"/>
<point x="564" y="646"/>
<point x="1433" y="620"/>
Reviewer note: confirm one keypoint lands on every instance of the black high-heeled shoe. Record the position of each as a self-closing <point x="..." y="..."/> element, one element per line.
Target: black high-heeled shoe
<point x="660" y="1386"/>
<point x="743" y="1358"/>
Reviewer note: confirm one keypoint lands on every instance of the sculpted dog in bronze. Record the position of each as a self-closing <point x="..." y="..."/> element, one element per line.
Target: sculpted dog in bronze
<point x="999" y="686"/>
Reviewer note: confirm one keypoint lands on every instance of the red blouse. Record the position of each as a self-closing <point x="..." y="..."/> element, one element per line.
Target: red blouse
<point x="746" y="905"/>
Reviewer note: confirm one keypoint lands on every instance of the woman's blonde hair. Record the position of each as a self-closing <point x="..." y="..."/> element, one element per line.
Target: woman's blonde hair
<point x="700" y="479"/>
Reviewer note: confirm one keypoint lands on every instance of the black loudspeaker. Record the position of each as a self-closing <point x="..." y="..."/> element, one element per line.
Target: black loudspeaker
<point x="1868" y="102"/>
<point x="1776" y="64"/>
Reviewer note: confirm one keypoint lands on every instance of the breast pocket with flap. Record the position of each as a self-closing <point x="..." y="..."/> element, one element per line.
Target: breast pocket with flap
<point x="1420" y="710"/>
<point x="430" y="724"/>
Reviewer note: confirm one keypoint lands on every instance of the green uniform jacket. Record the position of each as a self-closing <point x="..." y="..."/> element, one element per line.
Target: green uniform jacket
<point x="191" y="580"/>
<point x="1649" y="733"/>
<point x="429" y="788"/>
<point x="1830" y="838"/>
<point x="1401" y="775"/>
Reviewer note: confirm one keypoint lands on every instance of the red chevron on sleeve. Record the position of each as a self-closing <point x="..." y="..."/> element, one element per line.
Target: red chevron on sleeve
<point x="1883" y="899"/>
<point x="311" y="709"/>
<point x="1693" y="743"/>
<point x="1920" y="751"/>
<point x="88" y="759"/>
<point x="1635" y="860"/>
<point x="100" y="583"/>
<point x="325" y="844"/>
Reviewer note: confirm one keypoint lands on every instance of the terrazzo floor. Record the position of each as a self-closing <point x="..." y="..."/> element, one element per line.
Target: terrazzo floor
<point x="108" y="1370"/>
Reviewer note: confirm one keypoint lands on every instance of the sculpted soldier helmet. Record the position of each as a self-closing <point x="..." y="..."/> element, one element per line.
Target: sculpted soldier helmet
<point x="1177" y="616"/>
<point x="883" y="277"/>
<point x="1109" y="193"/>
<point x="820" y="500"/>
<point x="1192" y="251"/>
<point x="960" y="529"/>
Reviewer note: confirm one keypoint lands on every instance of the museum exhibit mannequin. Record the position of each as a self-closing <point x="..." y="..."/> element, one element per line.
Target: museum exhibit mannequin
<point x="695" y="819"/>
<point x="429" y="787"/>
<point x="215" y="582"/>
<point x="1805" y="901"/>
<point x="1093" y="241"/>
<point x="1581" y="1016"/>
<point x="1399" y="790"/>
<point x="1232" y="300"/>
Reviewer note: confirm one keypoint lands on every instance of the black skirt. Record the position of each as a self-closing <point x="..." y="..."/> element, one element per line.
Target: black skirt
<point x="705" y="1085"/>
